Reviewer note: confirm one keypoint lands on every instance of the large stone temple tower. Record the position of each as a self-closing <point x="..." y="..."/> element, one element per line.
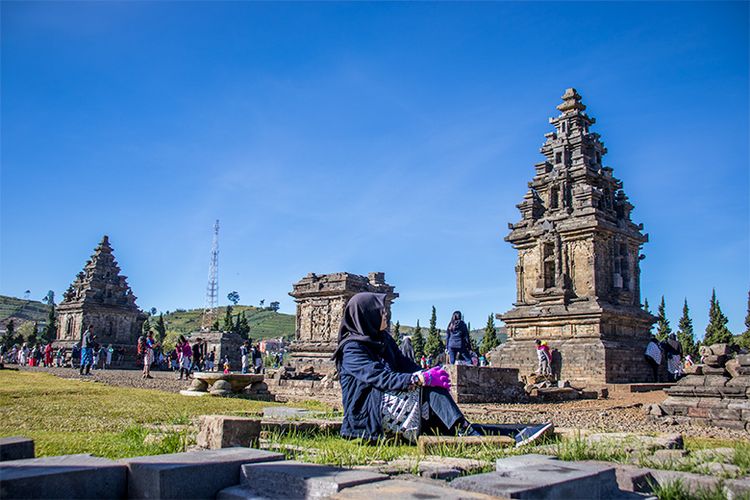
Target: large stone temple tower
<point x="99" y="296"/>
<point x="577" y="274"/>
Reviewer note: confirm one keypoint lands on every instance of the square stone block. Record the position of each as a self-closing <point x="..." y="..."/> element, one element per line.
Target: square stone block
<point x="65" y="476"/>
<point x="743" y="359"/>
<point x="539" y="477"/>
<point x="16" y="448"/>
<point x="297" y="480"/>
<point x="197" y="474"/>
<point x="221" y="431"/>
<point x="408" y="490"/>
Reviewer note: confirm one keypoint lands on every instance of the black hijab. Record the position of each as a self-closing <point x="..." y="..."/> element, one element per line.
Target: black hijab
<point x="361" y="322"/>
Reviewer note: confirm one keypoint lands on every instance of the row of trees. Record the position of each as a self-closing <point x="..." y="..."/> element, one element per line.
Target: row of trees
<point x="717" y="331"/>
<point x="434" y="344"/>
<point x="234" y="298"/>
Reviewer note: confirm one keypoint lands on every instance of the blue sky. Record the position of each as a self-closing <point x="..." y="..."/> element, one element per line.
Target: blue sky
<point x="395" y="137"/>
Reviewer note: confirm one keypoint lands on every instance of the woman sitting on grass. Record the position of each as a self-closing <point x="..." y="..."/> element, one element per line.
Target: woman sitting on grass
<point x="383" y="391"/>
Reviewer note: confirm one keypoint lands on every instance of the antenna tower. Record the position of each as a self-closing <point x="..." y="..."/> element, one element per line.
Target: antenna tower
<point x="212" y="289"/>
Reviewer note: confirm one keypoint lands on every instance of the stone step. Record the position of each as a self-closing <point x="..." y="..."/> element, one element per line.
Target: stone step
<point x="543" y="477"/>
<point x="298" y="480"/>
<point x="16" y="448"/>
<point x="197" y="474"/>
<point x="65" y="476"/>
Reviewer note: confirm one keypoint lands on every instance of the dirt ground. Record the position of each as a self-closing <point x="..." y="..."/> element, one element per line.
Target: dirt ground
<point x="620" y="412"/>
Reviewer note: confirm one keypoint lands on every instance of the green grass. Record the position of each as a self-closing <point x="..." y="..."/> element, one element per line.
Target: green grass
<point x="71" y="416"/>
<point x="22" y="309"/>
<point x="263" y="323"/>
<point x="677" y="490"/>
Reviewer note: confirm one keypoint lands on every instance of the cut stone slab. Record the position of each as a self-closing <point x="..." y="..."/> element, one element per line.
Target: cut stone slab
<point x="286" y="413"/>
<point x="221" y="431"/>
<point x="542" y="477"/>
<point x="297" y="480"/>
<point x="428" y="444"/>
<point x="65" y="476"/>
<point x="434" y="467"/>
<point x="206" y="472"/>
<point x="725" y="455"/>
<point x="408" y="490"/>
<point x="629" y="477"/>
<point x="634" y="442"/>
<point x="16" y="448"/>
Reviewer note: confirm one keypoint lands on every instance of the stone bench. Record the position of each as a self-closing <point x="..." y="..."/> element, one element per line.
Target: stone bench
<point x="197" y="475"/>
<point x="224" y="384"/>
<point x="66" y="476"/>
<point x="16" y="448"/>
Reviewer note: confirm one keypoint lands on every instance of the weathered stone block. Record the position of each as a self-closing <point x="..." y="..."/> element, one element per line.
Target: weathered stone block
<point x="714" y="360"/>
<point x="16" y="448"/>
<point x="743" y="359"/>
<point x="695" y="380"/>
<point x="714" y="370"/>
<point x="741" y="381"/>
<point x="697" y="412"/>
<point x="711" y="403"/>
<point x="738" y="425"/>
<point x="540" y="477"/>
<point x="629" y="477"/>
<point x="716" y="380"/>
<point x="719" y="349"/>
<point x="205" y="472"/>
<point x="407" y="490"/>
<point x="732" y="391"/>
<point x="724" y="414"/>
<point x="220" y="431"/>
<point x="707" y="392"/>
<point x="292" y="479"/>
<point x="66" y="476"/>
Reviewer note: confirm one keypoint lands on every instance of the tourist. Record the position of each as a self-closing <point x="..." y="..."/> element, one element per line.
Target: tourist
<point x="673" y="351"/>
<point x="185" y="355"/>
<point x="34" y="358"/>
<point x="483" y="360"/>
<point x="108" y="358"/>
<point x="48" y="355"/>
<point x="211" y="360"/>
<point x="457" y="340"/>
<point x="227" y="366"/>
<point x="423" y="362"/>
<point x="653" y="356"/>
<point x="406" y="348"/>
<point x="60" y="357"/>
<point x="382" y="390"/>
<point x="197" y="356"/>
<point x="257" y="359"/>
<point x="97" y="353"/>
<point x="87" y="344"/>
<point x="245" y="355"/>
<point x="148" y="354"/>
<point x="545" y="358"/>
<point x="75" y="356"/>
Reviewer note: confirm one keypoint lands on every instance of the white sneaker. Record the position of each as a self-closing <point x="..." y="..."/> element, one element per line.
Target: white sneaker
<point x="532" y="433"/>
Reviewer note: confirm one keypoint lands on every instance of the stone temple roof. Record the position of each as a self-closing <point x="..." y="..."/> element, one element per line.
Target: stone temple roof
<point x="571" y="101"/>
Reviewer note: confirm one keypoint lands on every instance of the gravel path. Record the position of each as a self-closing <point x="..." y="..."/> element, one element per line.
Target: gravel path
<point x="621" y="412"/>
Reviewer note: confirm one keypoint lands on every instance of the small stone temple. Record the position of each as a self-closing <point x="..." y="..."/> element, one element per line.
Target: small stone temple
<point x="99" y="296"/>
<point x="320" y="306"/>
<point x="577" y="274"/>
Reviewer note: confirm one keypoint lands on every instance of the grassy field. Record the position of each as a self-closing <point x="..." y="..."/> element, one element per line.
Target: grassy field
<point x="22" y="310"/>
<point x="66" y="416"/>
<point x="263" y="323"/>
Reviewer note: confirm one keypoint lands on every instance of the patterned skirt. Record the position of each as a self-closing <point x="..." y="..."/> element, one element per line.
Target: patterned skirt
<point x="402" y="413"/>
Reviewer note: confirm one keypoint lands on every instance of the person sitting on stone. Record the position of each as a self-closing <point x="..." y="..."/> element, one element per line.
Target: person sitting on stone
<point x="383" y="392"/>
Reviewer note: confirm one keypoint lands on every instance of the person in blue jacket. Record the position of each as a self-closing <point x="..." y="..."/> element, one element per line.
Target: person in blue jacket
<point x="384" y="392"/>
<point x="457" y="339"/>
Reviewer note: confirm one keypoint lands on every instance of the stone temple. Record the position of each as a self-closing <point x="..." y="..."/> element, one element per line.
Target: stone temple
<point x="102" y="298"/>
<point x="577" y="274"/>
<point x="320" y="306"/>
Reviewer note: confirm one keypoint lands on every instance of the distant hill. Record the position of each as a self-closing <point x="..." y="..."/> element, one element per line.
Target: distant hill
<point x="263" y="323"/>
<point x="22" y="310"/>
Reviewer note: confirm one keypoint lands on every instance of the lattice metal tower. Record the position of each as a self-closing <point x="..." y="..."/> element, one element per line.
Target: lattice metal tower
<point x="212" y="289"/>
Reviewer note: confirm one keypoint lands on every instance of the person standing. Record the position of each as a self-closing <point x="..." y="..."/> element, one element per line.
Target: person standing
<point x="87" y="345"/>
<point x="211" y="360"/>
<point x="48" y="355"/>
<point x="197" y="355"/>
<point x="545" y="358"/>
<point x="245" y="355"/>
<point x="653" y="356"/>
<point x="108" y="360"/>
<point x="673" y="350"/>
<point x="185" y="355"/>
<point x="457" y="340"/>
<point x="148" y="354"/>
<point x="257" y="359"/>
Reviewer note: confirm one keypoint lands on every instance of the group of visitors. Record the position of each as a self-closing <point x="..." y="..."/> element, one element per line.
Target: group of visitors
<point x="458" y="350"/>
<point x="250" y="354"/>
<point x="670" y="351"/>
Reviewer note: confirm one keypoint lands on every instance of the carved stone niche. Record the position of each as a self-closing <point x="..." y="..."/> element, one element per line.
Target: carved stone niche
<point x="321" y="300"/>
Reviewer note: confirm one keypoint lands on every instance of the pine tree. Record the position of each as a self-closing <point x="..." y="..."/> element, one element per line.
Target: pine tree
<point x="10" y="334"/>
<point x="396" y="333"/>
<point x="717" y="331"/>
<point x="161" y="328"/>
<point x="645" y="306"/>
<point x="662" y="323"/>
<point x="146" y="326"/>
<point x="228" y="323"/>
<point x="685" y="333"/>
<point x="244" y="326"/>
<point x="489" y="341"/>
<point x="215" y="326"/>
<point x="50" y="330"/>
<point x="473" y="345"/>
<point x="417" y="341"/>
<point x="434" y="344"/>
<point x="743" y="340"/>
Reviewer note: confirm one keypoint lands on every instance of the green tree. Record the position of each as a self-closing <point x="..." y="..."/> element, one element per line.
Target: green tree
<point x="662" y="323"/>
<point x="743" y="340"/>
<point x="10" y="333"/>
<point x="490" y="340"/>
<point x="50" y="329"/>
<point x="215" y="326"/>
<point x="396" y="333"/>
<point x="717" y="331"/>
<point x="645" y="306"/>
<point x="243" y="327"/>
<point x="685" y="332"/>
<point x="473" y="345"/>
<point x="434" y="344"/>
<point x="161" y="328"/>
<point x="228" y="323"/>
<point x="146" y="326"/>
<point x="233" y="297"/>
<point x="417" y="341"/>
